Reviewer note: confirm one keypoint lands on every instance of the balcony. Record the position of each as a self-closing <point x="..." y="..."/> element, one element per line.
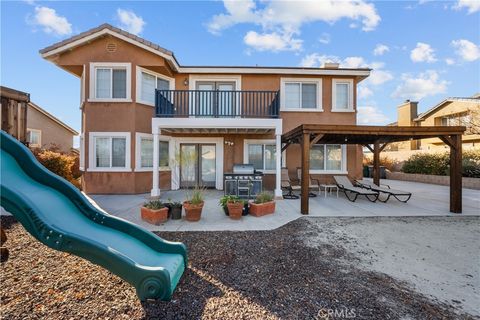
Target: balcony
<point x="217" y="104"/>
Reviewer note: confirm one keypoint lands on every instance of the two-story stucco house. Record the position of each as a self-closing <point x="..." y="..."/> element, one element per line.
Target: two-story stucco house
<point x="142" y="109"/>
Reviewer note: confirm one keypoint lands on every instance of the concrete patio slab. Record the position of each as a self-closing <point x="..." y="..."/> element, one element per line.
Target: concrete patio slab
<point x="427" y="200"/>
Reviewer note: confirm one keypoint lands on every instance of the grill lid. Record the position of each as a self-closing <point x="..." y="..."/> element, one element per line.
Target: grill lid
<point x="244" y="168"/>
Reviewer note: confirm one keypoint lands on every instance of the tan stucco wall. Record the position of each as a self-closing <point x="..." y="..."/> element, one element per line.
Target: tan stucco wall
<point x="135" y="117"/>
<point x="52" y="132"/>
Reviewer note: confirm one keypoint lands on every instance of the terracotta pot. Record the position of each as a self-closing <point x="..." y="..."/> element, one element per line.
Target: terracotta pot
<point x="154" y="216"/>
<point x="235" y="210"/>
<point x="261" y="209"/>
<point x="193" y="212"/>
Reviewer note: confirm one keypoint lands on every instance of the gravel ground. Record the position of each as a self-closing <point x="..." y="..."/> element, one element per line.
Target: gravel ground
<point x="232" y="275"/>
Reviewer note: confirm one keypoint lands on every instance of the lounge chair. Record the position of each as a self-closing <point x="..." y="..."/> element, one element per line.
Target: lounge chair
<point x="402" y="196"/>
<point x="344" y="184"/>
<point x="290" y="187"/>
<point x="314" y="184"/>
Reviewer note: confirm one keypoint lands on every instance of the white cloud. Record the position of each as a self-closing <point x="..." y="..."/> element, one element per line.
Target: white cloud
<point x="272" y="41"/>
<point x="417" y="87"/>
<point x="423" y="52"/>
<point x="450" y="61"/>
<point x="51" y="22"/>
<point x="325" y="38"/>
<point x="377" y="76"/>
<point x="467" y="50"/>
<point x="130" y="22"/>
<point x="471" y="5"/>
<point x="285" y="18"/>
<point x="363" y="92"/>
<point x="369" y="115"/>
<point x="380" y="49"/>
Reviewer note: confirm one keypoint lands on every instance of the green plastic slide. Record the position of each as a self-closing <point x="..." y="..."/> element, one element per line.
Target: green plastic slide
<point x="61" y="217"/>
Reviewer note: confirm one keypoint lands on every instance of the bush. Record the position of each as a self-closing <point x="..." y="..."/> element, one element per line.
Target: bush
<point x="385" y="161"/>
<point x="439" y="164"/>
<point x="154" y="205"/>
<point x="61" y="164"/>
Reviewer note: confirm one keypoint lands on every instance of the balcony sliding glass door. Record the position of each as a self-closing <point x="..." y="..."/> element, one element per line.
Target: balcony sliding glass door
<point x="215" y="99"/>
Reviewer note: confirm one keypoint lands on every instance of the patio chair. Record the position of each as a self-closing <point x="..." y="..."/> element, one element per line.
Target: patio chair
<point x="402" y="196"/>
<point x="344" y="184"/>
<point x="287" y="185"/>
<point x="314" y="184"/>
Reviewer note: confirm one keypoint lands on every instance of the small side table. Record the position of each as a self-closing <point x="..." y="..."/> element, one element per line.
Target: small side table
<point x="329" y="188"/>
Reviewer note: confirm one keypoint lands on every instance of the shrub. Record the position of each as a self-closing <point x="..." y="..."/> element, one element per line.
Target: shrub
<point x="61" y="164"/>
<point x="263" y="197"/>
<point x="439" y="164"/>
<point x="385" y="161"/>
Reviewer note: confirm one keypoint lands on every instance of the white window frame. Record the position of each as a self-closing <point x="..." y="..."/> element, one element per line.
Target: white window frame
<point x="82" y="153"/>
<point x="350" y="95"/>
<point x="138" y="157"/>
<point x="247" y="142"/>
<point x="110" y="65"/>
<point x="92" y="151"/>
<point x="343" y="169"/>
<point x="171" y="84"/>
<point x="35" y="145"/>
<point x="317" y="82"/>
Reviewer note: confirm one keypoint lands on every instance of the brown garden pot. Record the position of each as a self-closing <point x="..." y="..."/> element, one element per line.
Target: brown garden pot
<point x="154" y="216"/>
<point x="235" y="210"/>
<point x="261" y="209"/>
<point x="193" y="212"/>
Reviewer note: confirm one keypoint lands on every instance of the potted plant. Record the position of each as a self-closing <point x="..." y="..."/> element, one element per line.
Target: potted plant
<point x="235" y="207"/>
<point x="262" y="205"/>
<point x="154" y="212"/>
<point x="194" y="205"/>
<point x="176" y="210"/>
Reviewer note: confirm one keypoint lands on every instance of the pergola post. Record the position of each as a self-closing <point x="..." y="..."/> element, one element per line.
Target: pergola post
<point x="305" y="173"/>
<point x="456" y="174"/>
<point x="376" y="163"/>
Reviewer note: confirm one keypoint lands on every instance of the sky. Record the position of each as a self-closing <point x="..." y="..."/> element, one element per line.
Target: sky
<point x="422" y="50"/>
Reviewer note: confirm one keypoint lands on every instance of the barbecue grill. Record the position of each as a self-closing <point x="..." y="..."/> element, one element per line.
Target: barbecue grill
<point x="244" y="181"/>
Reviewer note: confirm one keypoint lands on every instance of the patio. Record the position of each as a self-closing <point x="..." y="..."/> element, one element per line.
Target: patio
<point x="427" y="200"/>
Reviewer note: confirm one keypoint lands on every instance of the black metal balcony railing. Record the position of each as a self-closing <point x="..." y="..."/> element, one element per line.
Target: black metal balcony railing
<point x="217" y="104"/>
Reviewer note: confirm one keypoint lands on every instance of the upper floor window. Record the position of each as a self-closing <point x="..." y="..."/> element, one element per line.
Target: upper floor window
<point x="342" y="95"/>
<point x="147" y="83"/>
<point x="110" y="81"/>
<point x="301" y="94"/>
<point x="34" y="138"/>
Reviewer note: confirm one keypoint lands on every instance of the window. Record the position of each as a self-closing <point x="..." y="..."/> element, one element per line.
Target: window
<point x="262" y="156"/>
<point x="342" y="95"/>
<point x="146" y="153"/>
<point x="300" y="94"/>
<point x="111" y="81"/>
<point x="34" y="138"/>
<point x="109" y="151"/>
<point x="327" y="157"/>
<point x="148" y="82"/>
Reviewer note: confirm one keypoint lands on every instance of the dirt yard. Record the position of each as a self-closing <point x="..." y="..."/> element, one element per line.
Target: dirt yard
<point x="312" y="268"/>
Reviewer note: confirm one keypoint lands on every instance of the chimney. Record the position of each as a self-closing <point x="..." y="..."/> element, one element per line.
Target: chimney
<point x="406" y="112"/>
<point x="331" y="65"/>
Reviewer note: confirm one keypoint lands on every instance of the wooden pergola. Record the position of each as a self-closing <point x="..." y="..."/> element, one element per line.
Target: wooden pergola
<point x="376" y="138"/>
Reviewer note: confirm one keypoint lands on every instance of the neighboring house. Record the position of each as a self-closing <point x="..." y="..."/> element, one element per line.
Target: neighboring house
<point x="137" y="101"/>
<point x="449" y="112"/>
<point x="45" y="130"/>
